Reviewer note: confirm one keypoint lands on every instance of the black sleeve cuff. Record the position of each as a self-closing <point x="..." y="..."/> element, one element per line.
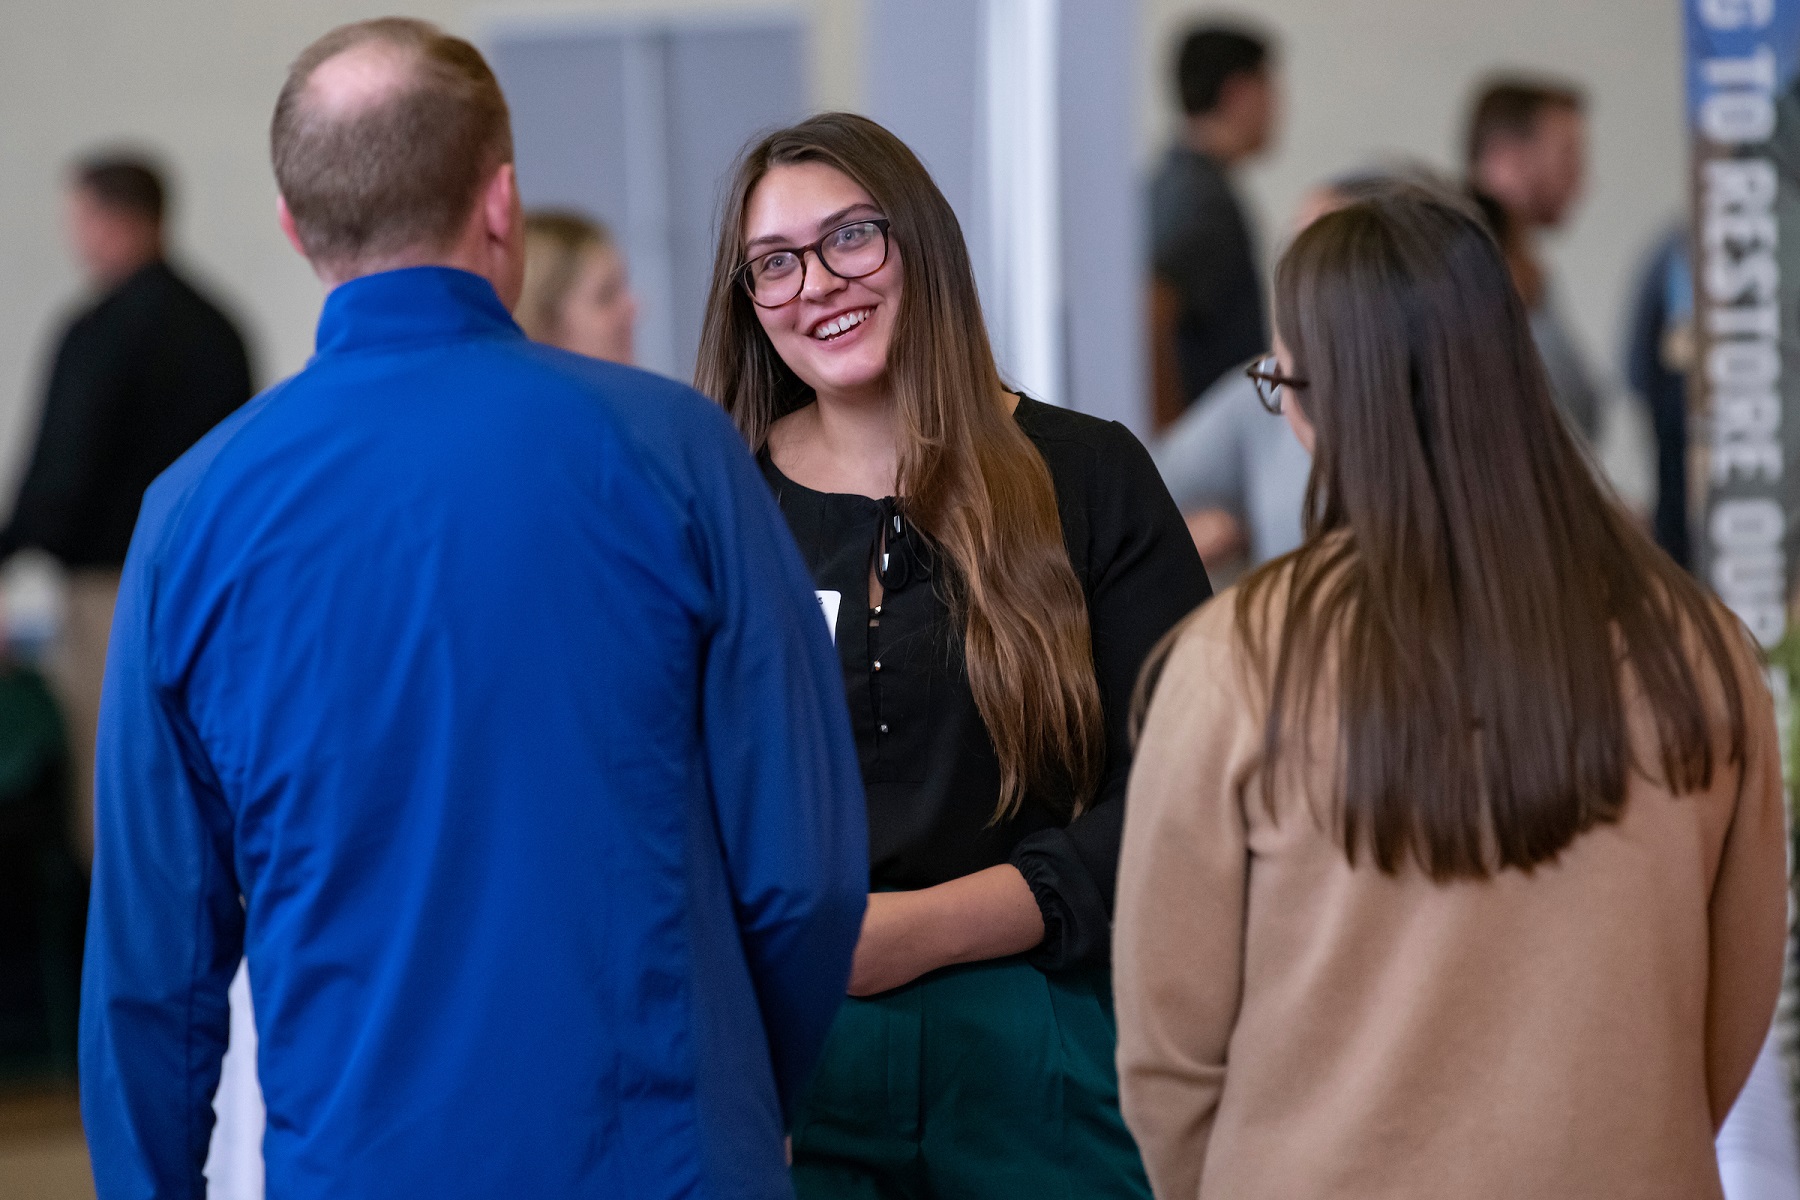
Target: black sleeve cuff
<point x="1077" y="925"/>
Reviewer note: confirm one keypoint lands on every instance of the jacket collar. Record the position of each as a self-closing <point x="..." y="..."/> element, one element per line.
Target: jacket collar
<point x="411" y="305"/>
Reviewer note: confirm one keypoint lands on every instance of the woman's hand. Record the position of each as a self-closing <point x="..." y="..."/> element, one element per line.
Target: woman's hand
<point x="892" y="949"/>
<point x="1218" y="536"/>
<point x="990" y="914"/>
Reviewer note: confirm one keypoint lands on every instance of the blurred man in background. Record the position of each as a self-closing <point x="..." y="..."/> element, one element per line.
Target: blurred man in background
<point x="1206" y="299"/>
<point x="1527" y="156"/>
<point x="138" y="376"/>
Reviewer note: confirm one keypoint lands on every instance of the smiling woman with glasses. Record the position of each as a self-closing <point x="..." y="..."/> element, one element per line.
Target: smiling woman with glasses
<point x="993" y="571"/>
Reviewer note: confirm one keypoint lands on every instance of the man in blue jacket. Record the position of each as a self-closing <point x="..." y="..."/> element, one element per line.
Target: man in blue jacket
<point x="476" y="693"/>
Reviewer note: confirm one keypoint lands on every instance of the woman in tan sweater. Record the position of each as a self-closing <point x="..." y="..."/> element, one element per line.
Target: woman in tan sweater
<point x="1454" y="863"/>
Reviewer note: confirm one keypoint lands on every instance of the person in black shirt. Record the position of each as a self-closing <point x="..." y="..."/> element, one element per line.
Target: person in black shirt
<point x="1659" y="353"/>
<point x="1206" y="297"/>
<point x="137" y="378"/>
<point x="994" y="571"/>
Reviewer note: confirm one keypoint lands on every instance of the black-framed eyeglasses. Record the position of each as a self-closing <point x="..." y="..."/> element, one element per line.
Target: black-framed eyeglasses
<point x="1265" y="372"/>
<point x="850" y="251"/>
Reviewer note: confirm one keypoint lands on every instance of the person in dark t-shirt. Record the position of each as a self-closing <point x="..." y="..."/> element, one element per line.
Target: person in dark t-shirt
<point x="137" y="377"/>
<point x="1206" y="298"/>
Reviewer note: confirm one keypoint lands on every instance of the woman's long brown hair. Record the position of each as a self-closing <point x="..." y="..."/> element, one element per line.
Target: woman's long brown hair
<point x="1476" y="588"/>
<point x="969" y="478"/>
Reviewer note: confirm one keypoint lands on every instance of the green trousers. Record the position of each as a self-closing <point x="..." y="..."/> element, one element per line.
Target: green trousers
<point x="991" y="1081"/>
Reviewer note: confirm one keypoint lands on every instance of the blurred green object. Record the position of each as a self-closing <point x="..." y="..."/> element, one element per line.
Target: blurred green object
<point x="43" y="889"/>
<point x="31" y="731"/>
<point x="1785" y="658"/>
<point x="1784" y="671"/>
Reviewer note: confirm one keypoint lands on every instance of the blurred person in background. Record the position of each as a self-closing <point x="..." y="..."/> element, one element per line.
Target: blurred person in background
<point x="577" y="292"/>
<point x="1455" y="860"/>
<point x="473" y="691"/>
<point x="1237" y="473"/>
<point x="1659" y="350"/>
<point x="146" y="368"/>
<point x="1240" y="486"/>
<point x="1759" y="1149"/>
<point x="1526" y="160"/>
<point x="1206" y="299"/>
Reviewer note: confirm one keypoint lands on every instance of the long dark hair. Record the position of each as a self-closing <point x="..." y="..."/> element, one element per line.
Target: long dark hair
<point x="969" y="478"/>
<point x="1473" y="588"/>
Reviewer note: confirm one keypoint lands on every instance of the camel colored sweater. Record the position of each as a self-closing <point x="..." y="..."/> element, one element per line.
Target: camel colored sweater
<point x="1292" y="1027"/>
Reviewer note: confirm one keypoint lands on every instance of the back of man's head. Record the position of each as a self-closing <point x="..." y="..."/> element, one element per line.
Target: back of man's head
<point x="127" y="185"/>
<point x="1509" y="107"/>
<point x="383" y="134"/>
<point x="1211" y="55"/>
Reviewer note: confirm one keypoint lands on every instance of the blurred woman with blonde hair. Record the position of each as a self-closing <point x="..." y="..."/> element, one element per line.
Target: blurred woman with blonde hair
<point x="577" y="294"/>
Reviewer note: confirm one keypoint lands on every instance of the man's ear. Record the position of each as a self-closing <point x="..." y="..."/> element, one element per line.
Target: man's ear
<point x="503" y="229"/>
<point x="500" y="204"/>
<point x="286" y="220"/>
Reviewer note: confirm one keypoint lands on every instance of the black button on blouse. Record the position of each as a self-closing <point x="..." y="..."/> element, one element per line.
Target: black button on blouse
<point x="929" y="766"/>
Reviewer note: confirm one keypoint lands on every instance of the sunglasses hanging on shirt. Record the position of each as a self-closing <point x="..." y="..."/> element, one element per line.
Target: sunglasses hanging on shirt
<point x="903" y="555"/>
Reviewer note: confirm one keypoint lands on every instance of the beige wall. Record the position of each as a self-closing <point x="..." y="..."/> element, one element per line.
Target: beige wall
<point x="1370" y="78"/>
<point x="195" y="80"/>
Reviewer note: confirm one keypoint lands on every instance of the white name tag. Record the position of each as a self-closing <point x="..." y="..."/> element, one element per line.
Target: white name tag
<point x="828" y="604"/>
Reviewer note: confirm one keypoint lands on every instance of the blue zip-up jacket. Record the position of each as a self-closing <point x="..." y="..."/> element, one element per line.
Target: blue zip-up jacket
<point x="489" y="679"/>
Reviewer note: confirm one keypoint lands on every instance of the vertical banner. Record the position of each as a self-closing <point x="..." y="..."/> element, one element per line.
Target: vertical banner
<point x="1746" y="150"/>
<point x="1743" y="106"/>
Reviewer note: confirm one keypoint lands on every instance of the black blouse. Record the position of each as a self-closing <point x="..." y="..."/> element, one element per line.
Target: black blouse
<point x="929" y="766"/>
